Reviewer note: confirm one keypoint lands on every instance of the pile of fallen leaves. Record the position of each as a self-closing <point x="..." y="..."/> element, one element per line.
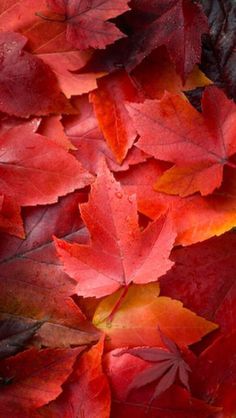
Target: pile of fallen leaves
<point x="117" y="209"/>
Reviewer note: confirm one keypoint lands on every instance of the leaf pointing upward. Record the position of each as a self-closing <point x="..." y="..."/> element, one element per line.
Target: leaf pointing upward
<point x="119" y="252"/>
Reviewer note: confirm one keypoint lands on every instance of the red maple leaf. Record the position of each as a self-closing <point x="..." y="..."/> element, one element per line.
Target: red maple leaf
<point x="198" y="144"/>
<point x="87" y="22"/>
<point x="119" y="253"/>
<point x="34" y="170"/>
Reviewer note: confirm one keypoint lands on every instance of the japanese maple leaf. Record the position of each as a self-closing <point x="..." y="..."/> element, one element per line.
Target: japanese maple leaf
<point x="165" y="366"/>
<point x="34" y="170"/>
<point x="175" y="402"/>
<point x="35" y="378"/>
<point x="198" y="144"/>
<point x="86" y="21"/>
<point x="27" y="85"/>
<point x="119" y="253"/>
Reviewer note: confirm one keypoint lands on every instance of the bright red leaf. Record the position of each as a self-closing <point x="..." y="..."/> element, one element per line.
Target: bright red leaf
<point x="86" y="22"/>
<point x="35" y="379"/>
<point x="198" y="144"/>
<point x="119" y="253"/>
<point x="36" y="171"/>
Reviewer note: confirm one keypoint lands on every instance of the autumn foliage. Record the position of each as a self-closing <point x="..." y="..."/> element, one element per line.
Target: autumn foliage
<point x="117" y="209"/>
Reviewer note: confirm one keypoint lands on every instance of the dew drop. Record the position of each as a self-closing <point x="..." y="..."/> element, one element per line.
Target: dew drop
<point x="130" y="199"/>
<point x="119" y="195"/>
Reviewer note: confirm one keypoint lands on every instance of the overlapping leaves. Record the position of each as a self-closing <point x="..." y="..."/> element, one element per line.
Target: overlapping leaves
<point x="106" y="169"/>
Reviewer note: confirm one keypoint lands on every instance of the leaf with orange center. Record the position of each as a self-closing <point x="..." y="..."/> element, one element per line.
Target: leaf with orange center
<point x="139" y="315"/>
<point x="114" y="120"/>
<point x="35" y="378"/>
<point x="195" y="218"/>
<point x="86" y="393"/>
<point x="119" y="252"/>
<point x="198" y="144"/>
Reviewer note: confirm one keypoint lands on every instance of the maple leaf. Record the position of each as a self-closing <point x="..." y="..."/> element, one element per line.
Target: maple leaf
<point x="36" y="171"/>
<point x="85" y="135"/>
<point x="48" y="43"/>
<point x="165" y="366"/>
<point x="32" y="283"/>
<point x="119" y="253"/>
<point x="27" y="85"/>
<point x="171" y="125"/>
<point x="141" y="312"/>
<point x="190" y="215"/>
<point x="109" y="105"/>
<point x="176" y="24"/>
<point x="14" y="334"/>
<point x="36" y="378"/>
<point x="87" y="24"/>
<point x="86" y="393"/>
<point x="203" y="278"/>
<point x="175" y="402"/>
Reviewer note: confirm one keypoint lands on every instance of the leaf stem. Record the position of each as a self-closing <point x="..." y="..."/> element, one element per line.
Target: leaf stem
<point x="118" y="303"/>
